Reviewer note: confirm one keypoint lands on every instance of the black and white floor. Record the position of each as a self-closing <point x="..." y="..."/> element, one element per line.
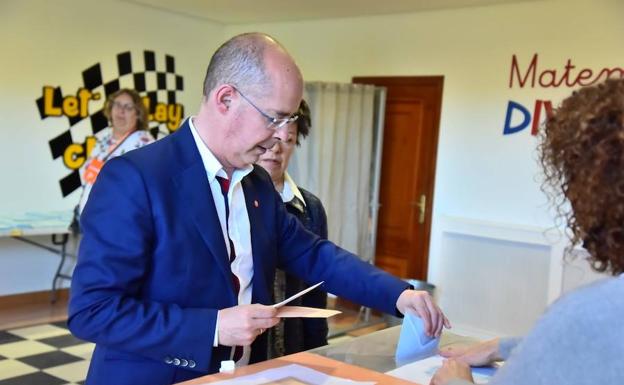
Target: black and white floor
<point x="43" y="355"/>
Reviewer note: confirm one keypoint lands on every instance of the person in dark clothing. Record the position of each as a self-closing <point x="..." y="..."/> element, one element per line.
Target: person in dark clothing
<point x="293" y="335"/>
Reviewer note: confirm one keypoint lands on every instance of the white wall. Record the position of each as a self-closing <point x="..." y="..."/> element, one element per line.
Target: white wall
<point x="482" y="176"/>
<point x="51" y="43"/>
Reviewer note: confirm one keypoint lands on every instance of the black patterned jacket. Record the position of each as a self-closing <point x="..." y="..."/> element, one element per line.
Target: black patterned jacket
<point x="301" y="334"/>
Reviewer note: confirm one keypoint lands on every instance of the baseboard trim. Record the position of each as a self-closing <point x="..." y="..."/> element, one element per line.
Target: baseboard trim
<point x="32" y="298"/>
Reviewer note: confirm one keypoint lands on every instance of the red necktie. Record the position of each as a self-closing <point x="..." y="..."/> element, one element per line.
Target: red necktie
<point x="225" y="186"/>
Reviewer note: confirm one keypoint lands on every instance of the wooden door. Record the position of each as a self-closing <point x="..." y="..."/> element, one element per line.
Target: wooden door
<point x="410" y="145"/>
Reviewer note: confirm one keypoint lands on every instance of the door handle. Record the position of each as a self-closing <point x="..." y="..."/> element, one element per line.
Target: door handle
<point x="422" y="207"/>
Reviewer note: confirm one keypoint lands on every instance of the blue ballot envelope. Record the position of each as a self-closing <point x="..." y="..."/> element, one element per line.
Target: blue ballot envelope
<point x="414" y="344"/>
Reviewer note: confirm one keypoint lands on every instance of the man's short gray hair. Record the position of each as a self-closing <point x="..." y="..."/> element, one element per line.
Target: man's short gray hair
<point x="239" y="62"/>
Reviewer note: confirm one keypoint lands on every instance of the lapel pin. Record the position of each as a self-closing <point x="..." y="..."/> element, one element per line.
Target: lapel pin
<point x="256" y="204"/>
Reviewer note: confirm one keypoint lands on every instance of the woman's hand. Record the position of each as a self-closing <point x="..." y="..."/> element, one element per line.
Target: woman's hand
<point x="451" y="369"/>
<point x="483" y="353"/>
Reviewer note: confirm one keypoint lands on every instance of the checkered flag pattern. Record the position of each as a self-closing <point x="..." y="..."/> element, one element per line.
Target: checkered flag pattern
<point x="167" y="84"/>
<point x="43" y="355"/>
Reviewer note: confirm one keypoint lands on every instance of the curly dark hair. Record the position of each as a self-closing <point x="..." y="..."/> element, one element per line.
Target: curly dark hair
<point x="582" y="152"/>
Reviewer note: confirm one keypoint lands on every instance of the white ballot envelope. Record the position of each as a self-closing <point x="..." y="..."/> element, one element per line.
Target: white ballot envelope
<point x="302" y="292"/>
<point x="414" y="344"/>
<point x="302" y="311"/>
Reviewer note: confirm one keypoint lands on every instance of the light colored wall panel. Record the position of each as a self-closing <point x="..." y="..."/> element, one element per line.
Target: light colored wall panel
<point x="577" y="272"/>
<point x="492" y="286"/>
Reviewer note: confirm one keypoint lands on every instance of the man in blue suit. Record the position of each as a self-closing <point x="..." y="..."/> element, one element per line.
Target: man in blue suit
<point x="181" y="238"/>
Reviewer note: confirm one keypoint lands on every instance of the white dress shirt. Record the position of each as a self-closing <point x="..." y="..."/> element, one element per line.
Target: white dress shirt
<point x="238" y="223"/>
<point x="290" y="190"/>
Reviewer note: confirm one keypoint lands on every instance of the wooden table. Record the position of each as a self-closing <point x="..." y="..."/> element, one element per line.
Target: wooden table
<point x="311" y="360"/>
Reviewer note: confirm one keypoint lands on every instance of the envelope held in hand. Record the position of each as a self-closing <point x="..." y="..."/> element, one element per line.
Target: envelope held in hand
<point x="414" y="344"/>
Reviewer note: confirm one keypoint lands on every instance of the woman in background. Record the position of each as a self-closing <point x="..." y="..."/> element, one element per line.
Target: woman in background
<point x="293" y="335"/>
<point x="127" y="118"/>
<point x="580" y="339"/>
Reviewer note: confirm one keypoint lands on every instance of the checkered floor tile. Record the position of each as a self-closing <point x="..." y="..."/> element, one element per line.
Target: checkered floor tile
<point x="43" y="355"/>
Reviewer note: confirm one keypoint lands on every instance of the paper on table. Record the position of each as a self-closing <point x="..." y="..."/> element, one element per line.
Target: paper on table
<point x="302" y="292"/>
<point x="305" y="312"/>
<point x="422" y="371"/>
<point x="291" y="374"/>
<point x="414" y="343"/>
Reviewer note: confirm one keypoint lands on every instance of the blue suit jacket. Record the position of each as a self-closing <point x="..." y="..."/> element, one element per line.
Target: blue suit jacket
<point x="153" y="269"/>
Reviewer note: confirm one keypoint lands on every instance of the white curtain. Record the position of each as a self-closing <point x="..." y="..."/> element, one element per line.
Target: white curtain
<point x="335" y="162"/>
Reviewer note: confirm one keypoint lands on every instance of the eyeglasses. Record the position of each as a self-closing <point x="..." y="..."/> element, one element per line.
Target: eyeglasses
<point x="275" y="123"/>
<point x="125" y="107"/>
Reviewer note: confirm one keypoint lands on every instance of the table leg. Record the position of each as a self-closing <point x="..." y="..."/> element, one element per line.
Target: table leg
<point x="60" y="241"/>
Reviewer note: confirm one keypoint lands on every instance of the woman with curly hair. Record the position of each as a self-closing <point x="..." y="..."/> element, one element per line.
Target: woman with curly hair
<point x="580" y="339"/>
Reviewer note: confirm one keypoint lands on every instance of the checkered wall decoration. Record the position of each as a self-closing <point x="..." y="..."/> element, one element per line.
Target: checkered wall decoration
<point x="163" y="90"/>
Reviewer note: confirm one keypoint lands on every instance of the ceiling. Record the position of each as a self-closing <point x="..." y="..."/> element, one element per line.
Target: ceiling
<point x="266" y="11"/>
